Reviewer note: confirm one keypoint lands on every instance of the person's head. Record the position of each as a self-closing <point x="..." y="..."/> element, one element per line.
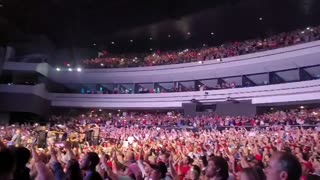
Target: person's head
<point x="22" y="156"/>
<point x="159" y="171"/>
<point x="284" y="166"/>
<point x="217" y="167"/>
<point x="7" y="164"/>
<point x="164" y="158"/>
<point x="129" y="155"/>
<point x="89" y="161"/>
<point x="194" y="173"/>
<point x="18" y="131"/>
<point x="73" y="170"/>
<point x="252" y="174"/>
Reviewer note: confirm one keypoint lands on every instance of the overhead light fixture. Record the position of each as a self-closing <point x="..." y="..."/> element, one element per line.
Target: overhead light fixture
<point x="70" y="69"/>
<point x="260" y="18"/>
<point x="79" y="69"/>
<point x="212" y="33"/>
<point x="131" y="40"/>
<point x="112" y="42"/>
<point x="58" y="69"/>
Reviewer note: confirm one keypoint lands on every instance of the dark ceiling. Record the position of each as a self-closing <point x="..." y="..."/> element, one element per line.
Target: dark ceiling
<point x="96" y="24"/>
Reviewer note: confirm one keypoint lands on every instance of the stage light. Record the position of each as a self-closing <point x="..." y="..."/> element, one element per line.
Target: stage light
<point x="119" y="110"/>
<point x="94" y="44"/>
<point x="212" y="33"/>
<point x="58" y="69"/>
<point x="260" y="18"/>
<point x="79" y="69"/>
<point x="169" y="35"/>
<point x="150" y="38"/>
<point x="308" y="28"/>
<point x="101" y="64"/>
<point x="131" y="40"/>
<point x="68" y="65"/>
<point x="100" y="110"/>
<point x="112" y="42"/>
<point x="302" y="32"/>
<point x="70" y="69"/>
<point x="188" y="33"/>
<point x="301" y="107"/>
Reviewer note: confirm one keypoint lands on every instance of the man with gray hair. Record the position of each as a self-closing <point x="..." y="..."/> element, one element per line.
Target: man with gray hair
<point x="284" y="166"/>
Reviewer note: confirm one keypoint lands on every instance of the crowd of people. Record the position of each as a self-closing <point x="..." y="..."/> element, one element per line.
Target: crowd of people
<point x="107" y="60"/>
<point x="99" y="145"/>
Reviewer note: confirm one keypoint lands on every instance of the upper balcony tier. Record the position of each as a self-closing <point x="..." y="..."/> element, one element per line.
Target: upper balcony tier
<point x="293" y="57"/>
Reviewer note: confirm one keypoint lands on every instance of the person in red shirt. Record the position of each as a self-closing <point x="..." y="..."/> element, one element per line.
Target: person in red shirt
<point x="182" y="168"/>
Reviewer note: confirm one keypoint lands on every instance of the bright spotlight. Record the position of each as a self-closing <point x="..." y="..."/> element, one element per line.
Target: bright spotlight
<point x="79" y="69"/>
<point x="101" y="64"/>
<point x="58" y="69"/>
<point x="70" y="69"/>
